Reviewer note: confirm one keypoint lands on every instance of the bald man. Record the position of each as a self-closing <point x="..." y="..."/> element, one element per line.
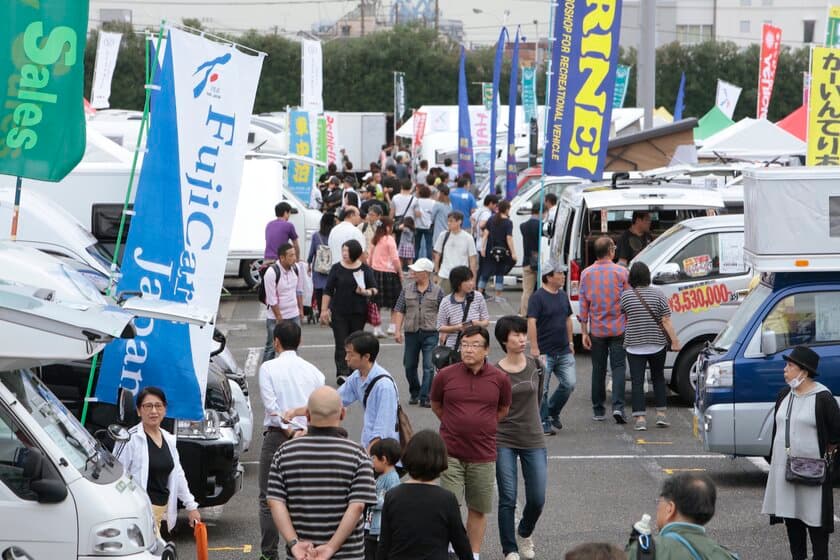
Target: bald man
<point x="326" y="524"/>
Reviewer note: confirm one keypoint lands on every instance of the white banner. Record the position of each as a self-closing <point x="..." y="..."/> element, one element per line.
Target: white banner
<point x="107" y="49"/>
<point x="184" y="209"/>
<point x="727" y="97"/>
<point x="311" y="77"/>
<point x="332" y="139"/>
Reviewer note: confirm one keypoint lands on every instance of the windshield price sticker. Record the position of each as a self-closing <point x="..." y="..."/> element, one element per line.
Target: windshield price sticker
<point x="699" y="298"/>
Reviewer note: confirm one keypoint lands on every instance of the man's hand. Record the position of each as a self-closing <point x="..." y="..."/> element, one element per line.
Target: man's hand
<point x="398" y="337"/>
<point x="323" y="552"/>
<point x="572" y="347"/>
<point x="194" y="517"/>
<point x="325" y="317"/>
<point x="586" y="341"/>
<point x="303" y="550"/>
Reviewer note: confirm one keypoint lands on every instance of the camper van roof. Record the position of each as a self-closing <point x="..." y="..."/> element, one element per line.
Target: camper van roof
<point x="641" y="195"/>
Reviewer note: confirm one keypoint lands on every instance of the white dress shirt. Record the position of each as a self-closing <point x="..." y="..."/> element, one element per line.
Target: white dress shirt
<point x="285" y="383"/>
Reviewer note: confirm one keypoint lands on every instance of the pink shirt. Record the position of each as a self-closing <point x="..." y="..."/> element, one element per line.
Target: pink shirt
<point x="384" y="255"/>
<point x="285" y="291"/>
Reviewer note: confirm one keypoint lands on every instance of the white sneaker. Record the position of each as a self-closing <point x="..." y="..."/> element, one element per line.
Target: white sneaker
<point x="377" y="332"/>
<point x="391" y="330"/>
<point x="512" y="556"/>
<point x="526" y="547"/>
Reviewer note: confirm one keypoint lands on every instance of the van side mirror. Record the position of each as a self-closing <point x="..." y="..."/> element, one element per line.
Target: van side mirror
<point x="127" y="413"/>
<point x="294" y="210"/>
<point x="525" y="209"/>
<point x="667" y="273"/>
<point x="768" y="343"/>
<point x="49" y="491"/>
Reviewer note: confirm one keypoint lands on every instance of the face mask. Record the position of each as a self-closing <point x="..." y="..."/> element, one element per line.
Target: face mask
<point x="794" y="383"/>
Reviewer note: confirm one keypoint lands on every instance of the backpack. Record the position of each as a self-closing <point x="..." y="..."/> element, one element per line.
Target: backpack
<point x="261" y="286"/>
<point x="403" y="424"/>
<point x="323" y="259"/>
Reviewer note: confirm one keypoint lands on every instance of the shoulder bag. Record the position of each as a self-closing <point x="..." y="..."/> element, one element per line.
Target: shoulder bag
<point x="403" y="425"/>
<point x="801" y="470"/>
<point x="442" y="249"/>
<point x="399" y="220"/>
<point x="443" y="355"/>
<point x="323" y="257"/>
<point x="652" y="316"/>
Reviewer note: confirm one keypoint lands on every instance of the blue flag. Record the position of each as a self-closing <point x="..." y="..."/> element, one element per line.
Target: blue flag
<point x="466" y="162"/>
<point x="494" y="111"/>
<point x="583" y="63"/>
<point x="510" y="190"/>
<point x="680" y="104"/>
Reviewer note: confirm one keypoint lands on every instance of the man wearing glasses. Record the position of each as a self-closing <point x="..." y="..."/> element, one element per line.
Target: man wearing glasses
<point x="469" y="398"/>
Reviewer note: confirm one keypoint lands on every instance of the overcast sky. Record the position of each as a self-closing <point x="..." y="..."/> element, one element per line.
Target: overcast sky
<point x="300" y="15"/>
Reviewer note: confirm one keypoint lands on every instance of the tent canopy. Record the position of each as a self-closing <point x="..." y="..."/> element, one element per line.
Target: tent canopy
<point x="752" y="139"/>
<point x="796" y="123"/>
<point x="712" y="122"/>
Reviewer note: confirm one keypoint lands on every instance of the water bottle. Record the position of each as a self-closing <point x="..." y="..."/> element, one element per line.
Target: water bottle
<point x="641" y="534"/>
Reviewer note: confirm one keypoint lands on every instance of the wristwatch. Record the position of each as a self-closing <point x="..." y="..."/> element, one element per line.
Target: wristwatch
<point x="290" y="545"/>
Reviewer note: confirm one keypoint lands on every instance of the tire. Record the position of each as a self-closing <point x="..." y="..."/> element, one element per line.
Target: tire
<point x="249" y="270"/>
<point x="681" y="374"/>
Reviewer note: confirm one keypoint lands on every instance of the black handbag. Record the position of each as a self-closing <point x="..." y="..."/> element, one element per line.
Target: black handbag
<point x="499" y="254"/>
<point x="443" y="356"/>
<point x="802" y="470"/>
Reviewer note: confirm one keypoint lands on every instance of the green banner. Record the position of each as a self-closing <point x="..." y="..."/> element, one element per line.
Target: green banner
<point x="487" y="95"/>
<point x="42" y="120"/>
<point x="832" y="27"/>
<point x="529" y="92"/>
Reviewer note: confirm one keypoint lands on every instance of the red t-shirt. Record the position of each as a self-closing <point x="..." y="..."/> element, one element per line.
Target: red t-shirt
<point x="470" y="406"/>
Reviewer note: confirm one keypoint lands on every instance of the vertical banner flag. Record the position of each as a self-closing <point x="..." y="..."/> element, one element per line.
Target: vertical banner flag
<point x="771" y="44"/>
<point x="494" y="108"/>
<point x="510" y="189"/>
<point x="183" y="216"/>
<point x="727" y="97"/>
<point x="300" y="143"/>
<point x="331" y="122"/>
<point x="832" y="27"/>
<point x="583" y="61"/>
<point x="622" y="79"/>
<point x="487" y="95"/>
<point x="107" y="50"/>
<point x="311" y="77"/>
<point x="321" y="145"/>
<point x="419" y="128"/>
<point x="42" y="119"/>
<point x="466" y="162"/>
<point x="823" y="108"/>
<point x="399" y="97"/>
<point x="806" y="87"/>
<point x="529" y="93"/>
<point x="679" y="106"/>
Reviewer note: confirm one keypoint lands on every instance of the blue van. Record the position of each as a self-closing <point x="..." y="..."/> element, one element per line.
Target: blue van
<point x="740" y="372"/>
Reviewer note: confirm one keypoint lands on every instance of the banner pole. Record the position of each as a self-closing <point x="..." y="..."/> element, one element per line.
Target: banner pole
<point x="150" y="76"/>
<point x="16" y="212"/>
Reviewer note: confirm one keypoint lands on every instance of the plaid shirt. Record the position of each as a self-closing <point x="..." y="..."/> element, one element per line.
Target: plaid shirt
<point x="600" y="298"/>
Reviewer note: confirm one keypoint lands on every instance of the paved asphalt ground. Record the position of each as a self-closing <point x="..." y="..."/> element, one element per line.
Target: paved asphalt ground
<point x="601" y="476"/>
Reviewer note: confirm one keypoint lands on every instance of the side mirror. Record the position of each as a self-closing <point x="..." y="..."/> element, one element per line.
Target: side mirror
<point x="295" y="210"/>
<point x="525" y="209"/>
<point x="118" y="433"/>
<point x="667" y="273"/>
<point x="49" y="491"/>
<point x="127" y="412"/>
<point x="768" y="343"/>
<point x="221" y="340"/>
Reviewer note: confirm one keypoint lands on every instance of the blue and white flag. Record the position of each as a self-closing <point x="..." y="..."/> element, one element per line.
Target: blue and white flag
<point x="301" y="175"/>
<point x="679" y="106"/>
<point x="583" y="61"/>
<point x="622" y="80"/>
<point x="466" y="161"/>
<point x="184" y="209"/>
<point x="510" y="182"/>
<point x="529" y="93"/>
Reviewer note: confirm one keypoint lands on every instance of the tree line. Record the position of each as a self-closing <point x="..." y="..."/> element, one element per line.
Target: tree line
<point x="358" y="72"/>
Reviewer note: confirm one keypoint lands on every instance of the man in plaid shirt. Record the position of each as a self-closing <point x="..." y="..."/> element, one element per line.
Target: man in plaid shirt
<point x="602" y="326"/>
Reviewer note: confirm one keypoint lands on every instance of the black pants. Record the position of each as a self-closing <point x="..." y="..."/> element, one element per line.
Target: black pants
<point x="269" y="538"/>
<point x="371" y="544"/>
<point x="342" y="326"/>
<point x="798" y="537"/>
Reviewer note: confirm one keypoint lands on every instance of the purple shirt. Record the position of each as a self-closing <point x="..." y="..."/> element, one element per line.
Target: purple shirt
<point x="278" y="232"/>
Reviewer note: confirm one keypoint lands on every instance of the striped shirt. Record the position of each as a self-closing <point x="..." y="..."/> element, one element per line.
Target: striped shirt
<point x="641" y="327"/>
<point x="317" y="476"/>
<point x="600" y="291"/>
<point x="451" y="312"/>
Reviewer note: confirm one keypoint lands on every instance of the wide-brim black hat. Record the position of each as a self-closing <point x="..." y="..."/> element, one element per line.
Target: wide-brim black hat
<point x="805" y="358"/>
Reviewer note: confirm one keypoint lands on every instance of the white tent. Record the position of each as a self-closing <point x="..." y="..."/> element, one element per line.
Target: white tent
<point x="752" y="139"/>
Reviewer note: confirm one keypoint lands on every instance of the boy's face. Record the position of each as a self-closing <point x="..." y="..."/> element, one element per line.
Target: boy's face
<point x="379" y="464"/>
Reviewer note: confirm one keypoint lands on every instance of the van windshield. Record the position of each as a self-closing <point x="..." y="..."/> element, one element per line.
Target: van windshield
<point x="653" y="252"/>
<point x="742" y="316"/>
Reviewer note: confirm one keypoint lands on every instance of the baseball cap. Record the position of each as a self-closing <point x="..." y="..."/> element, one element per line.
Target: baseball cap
<point x="549" y="267"/>
<point x="422" y="265"/>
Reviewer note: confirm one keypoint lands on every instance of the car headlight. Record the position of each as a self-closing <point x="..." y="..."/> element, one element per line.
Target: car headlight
<point x="119" y="537"/>
<point x="200" y="429"/>
<point x="720" y="375"/>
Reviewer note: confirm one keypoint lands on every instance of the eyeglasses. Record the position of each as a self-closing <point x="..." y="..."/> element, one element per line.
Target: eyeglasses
<point x="153" y="406"/>
<point x="472" y="345"/>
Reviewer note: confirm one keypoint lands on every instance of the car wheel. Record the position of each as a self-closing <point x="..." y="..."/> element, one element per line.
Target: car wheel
<point x="683" y="369"/>
<point x="249" y="270"/>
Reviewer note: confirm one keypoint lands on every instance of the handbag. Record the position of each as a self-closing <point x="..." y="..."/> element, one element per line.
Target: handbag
<point x="323" y="258"/>
<point x="403" y="425"/>
<point x="802" y="470"/>
<point x="373" y="316"/>
<point x="652" y="316"/>
<point x="443" y="355"/>
<point x="499" y="254"/>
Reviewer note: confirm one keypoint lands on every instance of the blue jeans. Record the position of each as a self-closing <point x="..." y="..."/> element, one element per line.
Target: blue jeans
<point x="499" y="281"/>
<point x="268" y="351"/>
<point x="563" y="368"/>
<point x="419" y="236"/>
<point x="612" y="347"/>
<point x="534" y="466"/>
<point x="415" y="343"/>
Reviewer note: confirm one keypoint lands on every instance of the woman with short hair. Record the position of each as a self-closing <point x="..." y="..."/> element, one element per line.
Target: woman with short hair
<point x="451" y="316"/>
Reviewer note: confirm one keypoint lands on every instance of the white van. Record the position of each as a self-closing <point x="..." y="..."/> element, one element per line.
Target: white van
<point x="699" y="266"/>
<point x="586" y="212"/>
<point x="62" y="494"/>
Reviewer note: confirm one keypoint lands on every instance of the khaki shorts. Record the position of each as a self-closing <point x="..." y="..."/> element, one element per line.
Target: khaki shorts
<point x="159" y="514"/>
<point x="445" y="286"/>
<point x="473" y="482"/>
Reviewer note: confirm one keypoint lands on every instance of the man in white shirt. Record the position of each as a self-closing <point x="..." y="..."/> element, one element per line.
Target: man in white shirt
<point x="283" y="294"/>
<point x="454" y="248"/>
<point x="403" y="204"/>
<point x="345" y="231"/>
<point x="285" y="384"/>
<point x="481" y="215"/>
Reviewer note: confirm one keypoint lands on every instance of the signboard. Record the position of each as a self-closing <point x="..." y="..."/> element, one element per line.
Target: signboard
<point x="107" y="49"/>
<point x="832" y="27"/>
<point x="622" y="80"/>
<point x="771" y="44"/>
<point x="42" y="120"/>
<point x="301" y="175"/>
<point x="824" y="107"/>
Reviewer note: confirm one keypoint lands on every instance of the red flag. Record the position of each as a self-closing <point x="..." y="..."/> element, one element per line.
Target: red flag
<point x="419" y="127"/>
<point x="771" y="44"/>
